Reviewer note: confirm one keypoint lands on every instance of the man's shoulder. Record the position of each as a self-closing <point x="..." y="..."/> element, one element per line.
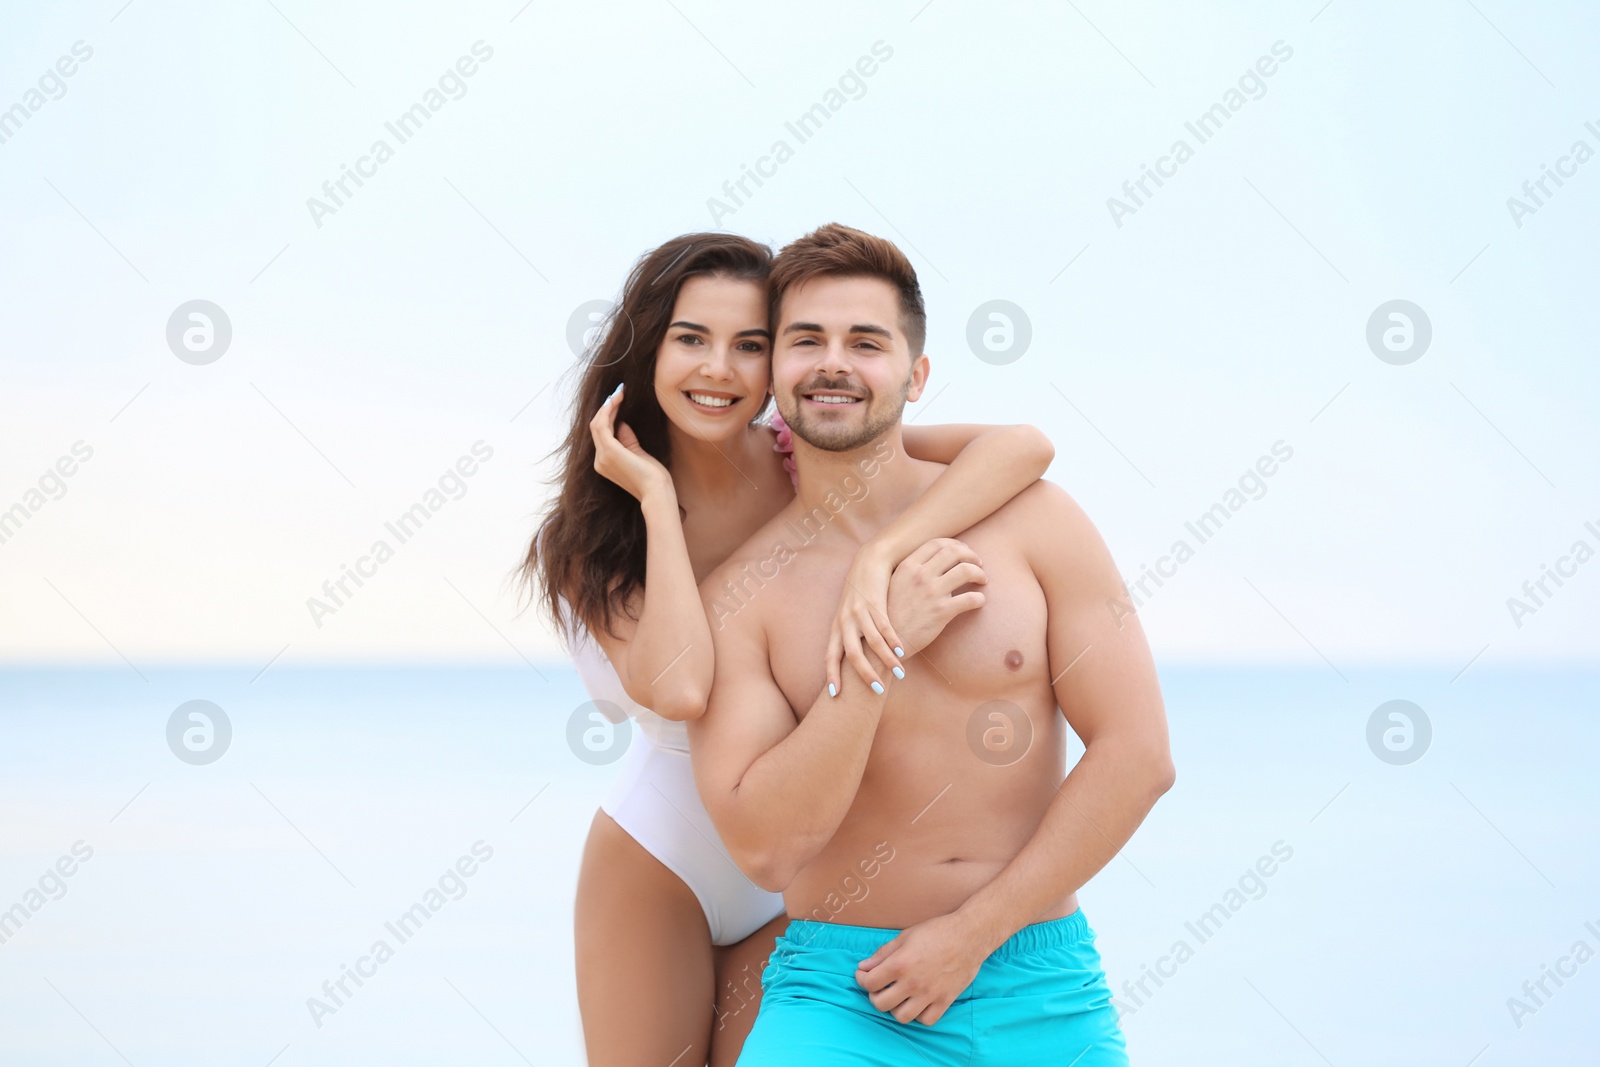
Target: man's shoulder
<point x="1042" y="507"/>
<point x="1062" y="544"/>
<point x="1048" y="522"/>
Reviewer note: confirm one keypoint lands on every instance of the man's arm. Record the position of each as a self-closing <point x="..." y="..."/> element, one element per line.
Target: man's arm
<point x="1111" y="698"/>
<point x="776" y="789"/>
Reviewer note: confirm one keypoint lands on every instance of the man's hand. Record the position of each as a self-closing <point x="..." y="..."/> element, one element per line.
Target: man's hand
<point x="920" y="973"/>
<point x="922" y="592"/>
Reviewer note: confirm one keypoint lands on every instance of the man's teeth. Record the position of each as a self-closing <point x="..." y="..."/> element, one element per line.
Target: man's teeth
<point x="836" y="399"/>
<point x="711" y="401"/>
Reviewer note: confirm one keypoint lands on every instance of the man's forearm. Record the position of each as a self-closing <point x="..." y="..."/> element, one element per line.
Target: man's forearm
<point x="793" y="798"/>
<point x="1093" y="814"/>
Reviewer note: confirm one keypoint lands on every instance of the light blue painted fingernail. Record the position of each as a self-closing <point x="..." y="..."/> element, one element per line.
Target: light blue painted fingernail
<point x="899" y="672"/>
<point x="899" y="651"/>
<point x="832" y="690"/>
<point x="877" y="687"/>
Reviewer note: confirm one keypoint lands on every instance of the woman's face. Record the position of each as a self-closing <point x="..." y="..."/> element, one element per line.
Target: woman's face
<point x="713" y="365"/>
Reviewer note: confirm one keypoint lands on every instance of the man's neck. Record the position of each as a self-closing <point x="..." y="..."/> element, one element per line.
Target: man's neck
<point x="894" y="481"/>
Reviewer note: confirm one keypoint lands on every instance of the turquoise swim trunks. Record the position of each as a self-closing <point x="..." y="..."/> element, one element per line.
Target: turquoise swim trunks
<point x="1040" y="998"/>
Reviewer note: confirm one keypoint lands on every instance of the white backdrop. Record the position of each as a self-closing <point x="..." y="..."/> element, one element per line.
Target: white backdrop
<point x="1173" y="340"/>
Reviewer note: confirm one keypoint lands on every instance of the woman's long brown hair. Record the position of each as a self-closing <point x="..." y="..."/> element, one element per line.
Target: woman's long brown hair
<point x="590" y="546"/>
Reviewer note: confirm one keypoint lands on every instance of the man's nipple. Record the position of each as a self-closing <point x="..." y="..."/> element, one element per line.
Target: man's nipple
<point x="1013" y="660"/>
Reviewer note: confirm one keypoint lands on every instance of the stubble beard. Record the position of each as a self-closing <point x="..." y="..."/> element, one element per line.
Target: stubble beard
<point x="837" y="438"/>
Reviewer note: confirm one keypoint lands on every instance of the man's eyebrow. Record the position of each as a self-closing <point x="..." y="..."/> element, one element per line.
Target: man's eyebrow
<point x="812" y="327"/>
<point x="756" y="332"/>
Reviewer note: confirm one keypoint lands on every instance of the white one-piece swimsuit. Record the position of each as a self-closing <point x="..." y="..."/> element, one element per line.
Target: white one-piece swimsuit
<point x="654" y="799"/>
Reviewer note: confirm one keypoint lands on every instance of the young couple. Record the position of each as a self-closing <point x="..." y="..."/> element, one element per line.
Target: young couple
<point x="876" y="710"/>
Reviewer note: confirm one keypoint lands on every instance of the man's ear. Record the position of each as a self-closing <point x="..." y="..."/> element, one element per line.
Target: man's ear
<point x="919" y="378"/>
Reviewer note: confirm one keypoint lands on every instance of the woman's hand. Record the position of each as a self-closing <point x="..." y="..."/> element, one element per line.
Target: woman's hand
<point x="619" y="457"/>
<point x="863" y="616"/>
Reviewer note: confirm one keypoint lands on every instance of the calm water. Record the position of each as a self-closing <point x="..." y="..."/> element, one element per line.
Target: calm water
<point x="217" y="898"/>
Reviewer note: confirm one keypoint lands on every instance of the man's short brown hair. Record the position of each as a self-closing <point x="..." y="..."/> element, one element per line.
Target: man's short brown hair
<point x="839" y="251"/>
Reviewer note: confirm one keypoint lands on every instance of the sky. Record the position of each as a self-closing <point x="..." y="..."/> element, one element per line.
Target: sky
<point x="384" y="339"/>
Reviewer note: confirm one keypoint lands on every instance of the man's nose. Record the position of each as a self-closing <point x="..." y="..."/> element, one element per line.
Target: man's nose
<point x="834" y="360"/>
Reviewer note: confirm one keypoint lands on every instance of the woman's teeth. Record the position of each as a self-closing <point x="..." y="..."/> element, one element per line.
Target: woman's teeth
<point x="711" y="401"/>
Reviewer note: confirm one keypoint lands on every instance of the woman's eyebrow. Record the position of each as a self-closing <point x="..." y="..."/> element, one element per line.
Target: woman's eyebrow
<point x="759" y="331"/>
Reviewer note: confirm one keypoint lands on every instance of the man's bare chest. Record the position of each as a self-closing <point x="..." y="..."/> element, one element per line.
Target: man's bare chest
<point x="991" y="653"/>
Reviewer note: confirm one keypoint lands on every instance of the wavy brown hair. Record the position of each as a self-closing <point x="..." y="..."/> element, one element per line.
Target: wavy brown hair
<point x="590" y="546"/>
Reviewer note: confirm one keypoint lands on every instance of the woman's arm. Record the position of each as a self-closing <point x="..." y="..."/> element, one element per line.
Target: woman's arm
<point x="942" y="444"/>
<point x="663" y="655"/>
<point x="988" y="466"/>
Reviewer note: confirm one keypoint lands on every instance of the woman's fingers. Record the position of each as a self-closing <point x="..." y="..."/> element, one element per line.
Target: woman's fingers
<point x="835" y="654"/>
<point x="880" y="619"/>
<point x="608" y="407"/>
<point x="858" y="657"/>
<point x="601" y="425"/>
<point x="891" y="635"/>
<point x="628" y="439"/>
<point x="880" y="646"/>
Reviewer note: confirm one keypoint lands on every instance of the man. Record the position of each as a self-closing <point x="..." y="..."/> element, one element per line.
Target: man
<point x="927" y="847"/>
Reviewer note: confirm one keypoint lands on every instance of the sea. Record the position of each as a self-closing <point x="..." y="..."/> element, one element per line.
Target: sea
<point x="1380" y="865"/>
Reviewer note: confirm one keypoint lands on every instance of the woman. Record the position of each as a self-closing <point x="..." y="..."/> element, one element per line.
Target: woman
<point x="666" y="471"/>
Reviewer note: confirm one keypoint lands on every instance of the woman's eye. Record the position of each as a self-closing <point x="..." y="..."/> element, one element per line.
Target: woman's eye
<point x="690" y="338"/>
<point x="753" y="346"/>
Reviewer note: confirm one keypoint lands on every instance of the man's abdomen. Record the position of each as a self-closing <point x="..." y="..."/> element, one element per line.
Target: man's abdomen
<point x="931" y="824"/>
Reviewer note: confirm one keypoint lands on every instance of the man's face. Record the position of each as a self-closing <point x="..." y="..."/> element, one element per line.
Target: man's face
<point x="841" y="367"/>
